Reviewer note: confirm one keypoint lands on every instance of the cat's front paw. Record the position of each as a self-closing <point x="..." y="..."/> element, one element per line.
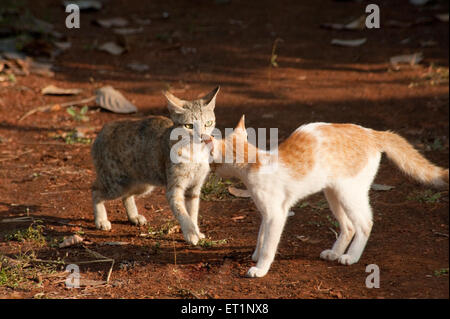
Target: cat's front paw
<point x="103" y="224"/>
<point x="138" y="220"/>
<point x="191" y="238"/>
<point x="347" y="259"/>
<point x="329" y="254"/>
<point x="256" y="272"/>
<point x="201" y="235"/>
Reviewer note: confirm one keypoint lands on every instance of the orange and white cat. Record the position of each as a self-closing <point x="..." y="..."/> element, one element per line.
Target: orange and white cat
<point x="339" y="159"/>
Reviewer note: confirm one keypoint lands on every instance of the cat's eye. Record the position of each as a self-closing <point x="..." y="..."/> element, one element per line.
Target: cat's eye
<point x="209" y="123"/>
<point x="189" y="126"/>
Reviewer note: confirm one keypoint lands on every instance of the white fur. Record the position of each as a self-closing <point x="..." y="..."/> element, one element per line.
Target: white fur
<point x="276" y="190"/>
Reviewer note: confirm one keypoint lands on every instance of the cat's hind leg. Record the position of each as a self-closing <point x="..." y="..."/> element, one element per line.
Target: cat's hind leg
<point x="132" y="212"/>
<point x="347" y="230"/>
<point x="354" y="196"/>
<point x="360" y="213"/>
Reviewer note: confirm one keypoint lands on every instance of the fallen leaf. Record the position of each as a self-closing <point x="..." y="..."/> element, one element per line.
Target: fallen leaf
<point x="70" y="241"/>
<point x="443" y="17"/>
<point x="237" y="192"/>
<point x="85" y="4"/>
<point x="128" y="31"/>
<point x="428" y="43"/>
<point x="142" y="21"/>
<point x="349" y="43"/>
<point x="380" y="187"/>
<point x="112" y="22"/>
<point x="411" y="59"/>
<point x="109" y="98"/>
<point x="91" y="283"/>
<point x="358" y="24"/>
<point x="41" y="68"/>
<point x="419" y="2"/>
<point x="62" y="45"/>
<point x="138" y="67"/>
<point x="112" y="48"/>
<point x="54" y="90"/>
<point x="236" y="218"/>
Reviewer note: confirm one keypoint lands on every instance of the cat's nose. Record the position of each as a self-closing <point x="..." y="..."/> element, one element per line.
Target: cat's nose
<point x="207" y="139"/>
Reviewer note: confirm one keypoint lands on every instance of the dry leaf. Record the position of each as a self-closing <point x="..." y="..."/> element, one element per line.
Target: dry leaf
<point x="349" y="43"/>
<point x="70" y="241"/>
<point x="380" y="187"/>
<point x="112" y="48"/>
<point x="85" y="4"/>
<point x="54" y="90"/>
<point x="62" y="45"/>
<point x="358" y="24"/>
<point x="411" y="59"/>
<point x="41" y="68"/>
<point x="128" y="31"/>
<point x="236" y="218"/>
<point x="138" y="67"/>
<point x="428" y="43"/>
<point x="113" y="22"/>
<point x="419" y="2"/>
<point x="443" y="17"/>
<point x="237" y="192"/>
<point x="109" y="98"/>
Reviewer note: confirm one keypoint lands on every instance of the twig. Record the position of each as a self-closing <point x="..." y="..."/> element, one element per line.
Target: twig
<point x="440" y="234"/>
<point x="94" y="253"/>
<point x="59" y="192"/>
<point x="15" y="157"/>
<point x="334" y="232"/>
<point x="17" y="219"/>
<point x="47" y="107"/>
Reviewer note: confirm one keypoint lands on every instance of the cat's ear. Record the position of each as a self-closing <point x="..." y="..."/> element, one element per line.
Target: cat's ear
<point x="175" y="105"/>
<point x="209" y="100"/>
<point x="240" y="127"/>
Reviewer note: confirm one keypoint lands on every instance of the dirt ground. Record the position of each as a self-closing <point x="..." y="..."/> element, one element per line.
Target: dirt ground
<point x="199" y="45"/>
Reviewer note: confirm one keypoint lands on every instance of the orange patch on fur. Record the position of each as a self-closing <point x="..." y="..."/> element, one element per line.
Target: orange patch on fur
<point x="347" y="148"/>
<point x="298" y="152"/>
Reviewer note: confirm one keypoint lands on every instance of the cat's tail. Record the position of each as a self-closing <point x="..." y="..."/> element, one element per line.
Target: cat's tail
<point x="410" y="161"/>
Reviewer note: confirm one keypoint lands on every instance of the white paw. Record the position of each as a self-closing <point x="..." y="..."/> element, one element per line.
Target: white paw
<point x="103" y="224"/>
<point x="201" y="235"/>
<point x="256" y="272"/>
<point x="138" y="220"/>
<point x="329" y="254"/>
<point x="191" y="238"/>
<point x="255" y="256"/>
<point x="347" y="260"/>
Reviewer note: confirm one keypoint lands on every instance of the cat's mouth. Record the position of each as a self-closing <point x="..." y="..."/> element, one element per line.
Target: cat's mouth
<point x="208" y="140"/>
